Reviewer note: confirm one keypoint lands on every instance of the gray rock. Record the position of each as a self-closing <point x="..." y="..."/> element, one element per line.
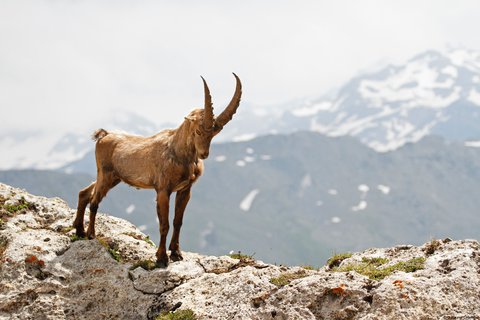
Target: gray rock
<point x="44" y="275"/>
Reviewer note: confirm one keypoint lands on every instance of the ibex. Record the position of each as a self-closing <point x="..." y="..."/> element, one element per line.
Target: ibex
<point x="169" y="161"/>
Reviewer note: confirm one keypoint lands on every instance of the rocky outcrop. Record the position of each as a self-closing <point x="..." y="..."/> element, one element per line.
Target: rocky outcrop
<point x="46" y="273"/>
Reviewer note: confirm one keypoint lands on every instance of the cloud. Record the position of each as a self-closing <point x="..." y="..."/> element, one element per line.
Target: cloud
<point x="66" y="62"/>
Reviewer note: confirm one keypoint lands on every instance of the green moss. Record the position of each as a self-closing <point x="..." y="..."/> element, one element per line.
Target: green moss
<point x="371" y="267"/>
<point x="186" y="314"/>
<point x="115" y="254"/>
<point x="19" y="205"/>
<point x="375" y="261"/>
<point x="149" y="241"/>
<point x="9" y="210"/>
<point x="65" y="230"/>
<point x="411" y="265"/>
<point x="285" y="278"/>
<point x="308" y="267"/>
<point x="74" y="238"/>
<point x="337" y="259"/>
<point x="145" y="264"/>
<point x="111" y="247"/>
<point x="239" y="255"/>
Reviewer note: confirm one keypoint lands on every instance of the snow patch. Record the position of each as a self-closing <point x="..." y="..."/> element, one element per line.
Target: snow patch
<point x="142" y="227"/>
<point x="249" y="159"/>
<point x="246" y="203"/>
<point x="312" y="110"/>
<point x="306" y="182"/>
<point x="361" y="206"/>
<point x="473" y="144"/>
<point x="266" y="157"/>
<point x="474" y="96"/>
<point x="458" y="57"/>
<point x="244" y="137"/>
<point x="451" y="71"/>
<point x="363" y="188"/>
<point x="130" y="209"/>
<point x="384" y="189"/>
<point x="240" y="163"/>
<point x="332" y="192"/>
<point x="319" y="203"/>
<point x="415" y="83"/>
<point x="249" y="151"/>
<point x="336" y="220"/>
<point x="220" y="158"/>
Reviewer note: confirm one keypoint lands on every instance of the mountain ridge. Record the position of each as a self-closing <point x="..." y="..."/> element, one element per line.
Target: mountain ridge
<point x="334" y="192"/>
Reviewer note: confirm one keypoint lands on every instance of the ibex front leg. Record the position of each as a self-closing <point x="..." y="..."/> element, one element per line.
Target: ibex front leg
<point x="181" y="201"/>
<point x="163" y="199"/>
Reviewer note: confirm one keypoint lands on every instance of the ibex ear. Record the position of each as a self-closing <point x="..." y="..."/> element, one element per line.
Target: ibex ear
<point x="190" y="118"/>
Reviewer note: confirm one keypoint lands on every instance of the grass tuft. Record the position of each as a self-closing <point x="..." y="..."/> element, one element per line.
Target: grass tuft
<point x="74" y="238"/>
<point x="285" y="278"/>
<point x="186" y="314"/>
<point x="66" y="230"/>
<point x="337" y="259"/>
<point x="372" y="267"/>
<point x="19" y="205"/>
<point x="111" y="247"/>
<point x="144" y="264"/>
<point x="8" y="210"/>
<point x="240" y="256"/>
<point x="309" y="267"/>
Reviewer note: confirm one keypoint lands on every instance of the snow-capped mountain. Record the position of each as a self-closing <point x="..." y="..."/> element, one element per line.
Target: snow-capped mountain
<point x="432" y="93"/>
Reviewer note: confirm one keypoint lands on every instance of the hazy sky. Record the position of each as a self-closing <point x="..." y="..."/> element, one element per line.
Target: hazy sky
<point x="63" y="63"/>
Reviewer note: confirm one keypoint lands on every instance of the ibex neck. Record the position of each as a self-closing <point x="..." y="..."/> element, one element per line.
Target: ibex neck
<point x="182" y="143"/>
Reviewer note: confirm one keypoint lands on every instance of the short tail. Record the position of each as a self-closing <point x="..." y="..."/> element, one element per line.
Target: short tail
<point x="99" y="134"/>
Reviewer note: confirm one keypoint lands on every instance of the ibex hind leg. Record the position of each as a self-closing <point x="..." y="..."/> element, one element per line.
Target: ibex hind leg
<point x="102" y="186"/>
<point x="84" y="197"/>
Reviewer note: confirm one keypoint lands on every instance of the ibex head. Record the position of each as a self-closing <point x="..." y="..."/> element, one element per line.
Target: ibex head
<point x="206" y="125"/>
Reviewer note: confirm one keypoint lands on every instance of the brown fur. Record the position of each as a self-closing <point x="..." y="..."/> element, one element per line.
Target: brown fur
<point x="169" y="161"/>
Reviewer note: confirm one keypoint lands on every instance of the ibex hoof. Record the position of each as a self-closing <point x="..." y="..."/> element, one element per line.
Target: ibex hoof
<point x="161" y="263"/>
<point x="90" y="235"/>
<point x="176" y="256"/>
<point x="80" y="232"/>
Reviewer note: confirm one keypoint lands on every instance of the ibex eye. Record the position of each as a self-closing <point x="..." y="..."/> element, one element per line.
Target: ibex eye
<point x="198" y="132"/>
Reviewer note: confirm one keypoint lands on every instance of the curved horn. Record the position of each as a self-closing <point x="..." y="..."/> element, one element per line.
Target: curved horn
<point x="230" y="110"/>
<point x="208" y="117"/>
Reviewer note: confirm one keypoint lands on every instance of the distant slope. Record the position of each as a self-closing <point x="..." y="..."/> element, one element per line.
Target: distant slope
<point x="297" y="198"/>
